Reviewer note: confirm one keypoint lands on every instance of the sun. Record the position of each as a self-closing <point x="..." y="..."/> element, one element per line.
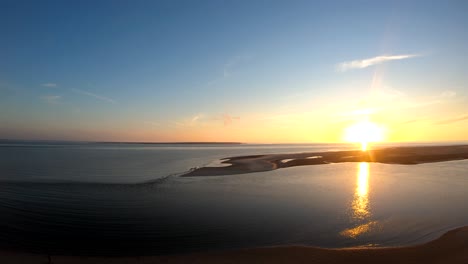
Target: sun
<point x="364" y="132"/>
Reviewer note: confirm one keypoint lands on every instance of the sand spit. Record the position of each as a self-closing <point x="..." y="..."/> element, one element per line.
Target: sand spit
<point x="394" y="155"/>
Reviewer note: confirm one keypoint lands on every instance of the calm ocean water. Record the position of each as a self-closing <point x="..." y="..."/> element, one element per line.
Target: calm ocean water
<point x="127" y="199"/>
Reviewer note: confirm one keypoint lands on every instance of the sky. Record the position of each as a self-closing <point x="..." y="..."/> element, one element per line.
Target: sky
<point x="243" y="71"/>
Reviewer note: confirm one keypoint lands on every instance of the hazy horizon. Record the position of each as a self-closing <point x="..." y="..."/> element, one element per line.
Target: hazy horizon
<point x="233" y="142"/>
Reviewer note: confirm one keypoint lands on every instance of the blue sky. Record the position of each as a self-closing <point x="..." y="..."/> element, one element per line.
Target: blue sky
<point x="229" y="70"/>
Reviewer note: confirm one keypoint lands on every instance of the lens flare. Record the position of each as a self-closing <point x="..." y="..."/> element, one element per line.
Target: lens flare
<point x="363" y="133"/>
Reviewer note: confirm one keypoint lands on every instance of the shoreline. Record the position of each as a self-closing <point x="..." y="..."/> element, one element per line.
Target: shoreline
<point x="391" y="155"/>
<point x="451" y="247"/>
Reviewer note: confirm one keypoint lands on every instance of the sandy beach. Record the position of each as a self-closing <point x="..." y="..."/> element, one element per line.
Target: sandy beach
<point x="394" y="155"/>
<point x="452" y="247"/>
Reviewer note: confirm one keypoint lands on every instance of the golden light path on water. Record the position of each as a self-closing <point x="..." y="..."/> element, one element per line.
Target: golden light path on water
<point x="360" y="204"/>
<point x="361" y="199"/>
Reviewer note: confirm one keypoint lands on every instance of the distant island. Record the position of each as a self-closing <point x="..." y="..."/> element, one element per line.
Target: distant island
<point x="171" y="143"/>
<point x="40" y="141"/>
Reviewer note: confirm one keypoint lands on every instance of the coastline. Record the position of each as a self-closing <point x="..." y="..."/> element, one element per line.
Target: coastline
<point x="393" y="155"/>
<point x="452" y="247"/>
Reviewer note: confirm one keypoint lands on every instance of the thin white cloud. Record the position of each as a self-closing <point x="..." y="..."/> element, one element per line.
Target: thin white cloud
<point x="51" y="99"/>
<point x="286" y="120"/>
<point x="203" y="119"/>
<point x="230" y="67"/>
<point x="444" y="97"/>
<point x="233" y="63"/>
<point x="390" y="100"/>
<point x="190" y="122"/>
<point x="359" y="112"/>
<point x="97" y="96"/>
<point x="453" y="120"/>
<point x="49" y="85"/>
<point x="361" y="64"/>
<point x="227" y="119"/>
<point x="411" y="121"/>
<point x="195" y="119"/>
<point x="151" y="123"/>
<point x="448" y="94"/>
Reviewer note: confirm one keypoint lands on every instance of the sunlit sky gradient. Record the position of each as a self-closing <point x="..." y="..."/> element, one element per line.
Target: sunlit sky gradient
<point x="249" y="71"/>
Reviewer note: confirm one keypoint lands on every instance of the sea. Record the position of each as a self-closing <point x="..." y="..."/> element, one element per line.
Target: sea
<point x="81" y="198"/>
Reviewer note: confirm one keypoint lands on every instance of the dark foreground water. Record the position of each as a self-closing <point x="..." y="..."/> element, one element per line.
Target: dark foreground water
<point x="106" y="199"/>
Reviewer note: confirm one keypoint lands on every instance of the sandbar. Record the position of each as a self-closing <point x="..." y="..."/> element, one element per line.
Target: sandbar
<point x="391" y="155"/>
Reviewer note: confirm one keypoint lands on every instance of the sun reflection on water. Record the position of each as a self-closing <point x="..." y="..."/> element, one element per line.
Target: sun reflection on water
<point x="360" y="205"/>
<point x="359" y="230"/>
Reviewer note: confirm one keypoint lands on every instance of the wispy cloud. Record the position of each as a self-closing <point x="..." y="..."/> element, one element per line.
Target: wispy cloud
<point x="443" y="97"/>
<point x="447" y="94"/>
<point x="230" y="68"/>
<point x="203" y="120"/>
<point x="389" y="101"/>
<point x="360" y="64"/>
<point x="97" y="96"/>
<point x="358" y="112"/>
<point x="286" y="120"/>
<point x="51" y="99"/>
<point x="151" y="123"/>
<point x="411" y="121"/>
<point x="50" y="85"/>
<point x="190" y="122"/>
<point x="233" y="63"/>
<point x="227" y="119"/>
<point x="195" y="119"/>
<point x="453" y="120"/>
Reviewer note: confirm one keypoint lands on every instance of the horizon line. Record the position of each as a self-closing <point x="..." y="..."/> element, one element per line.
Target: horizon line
<point x="216" y="142"/>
